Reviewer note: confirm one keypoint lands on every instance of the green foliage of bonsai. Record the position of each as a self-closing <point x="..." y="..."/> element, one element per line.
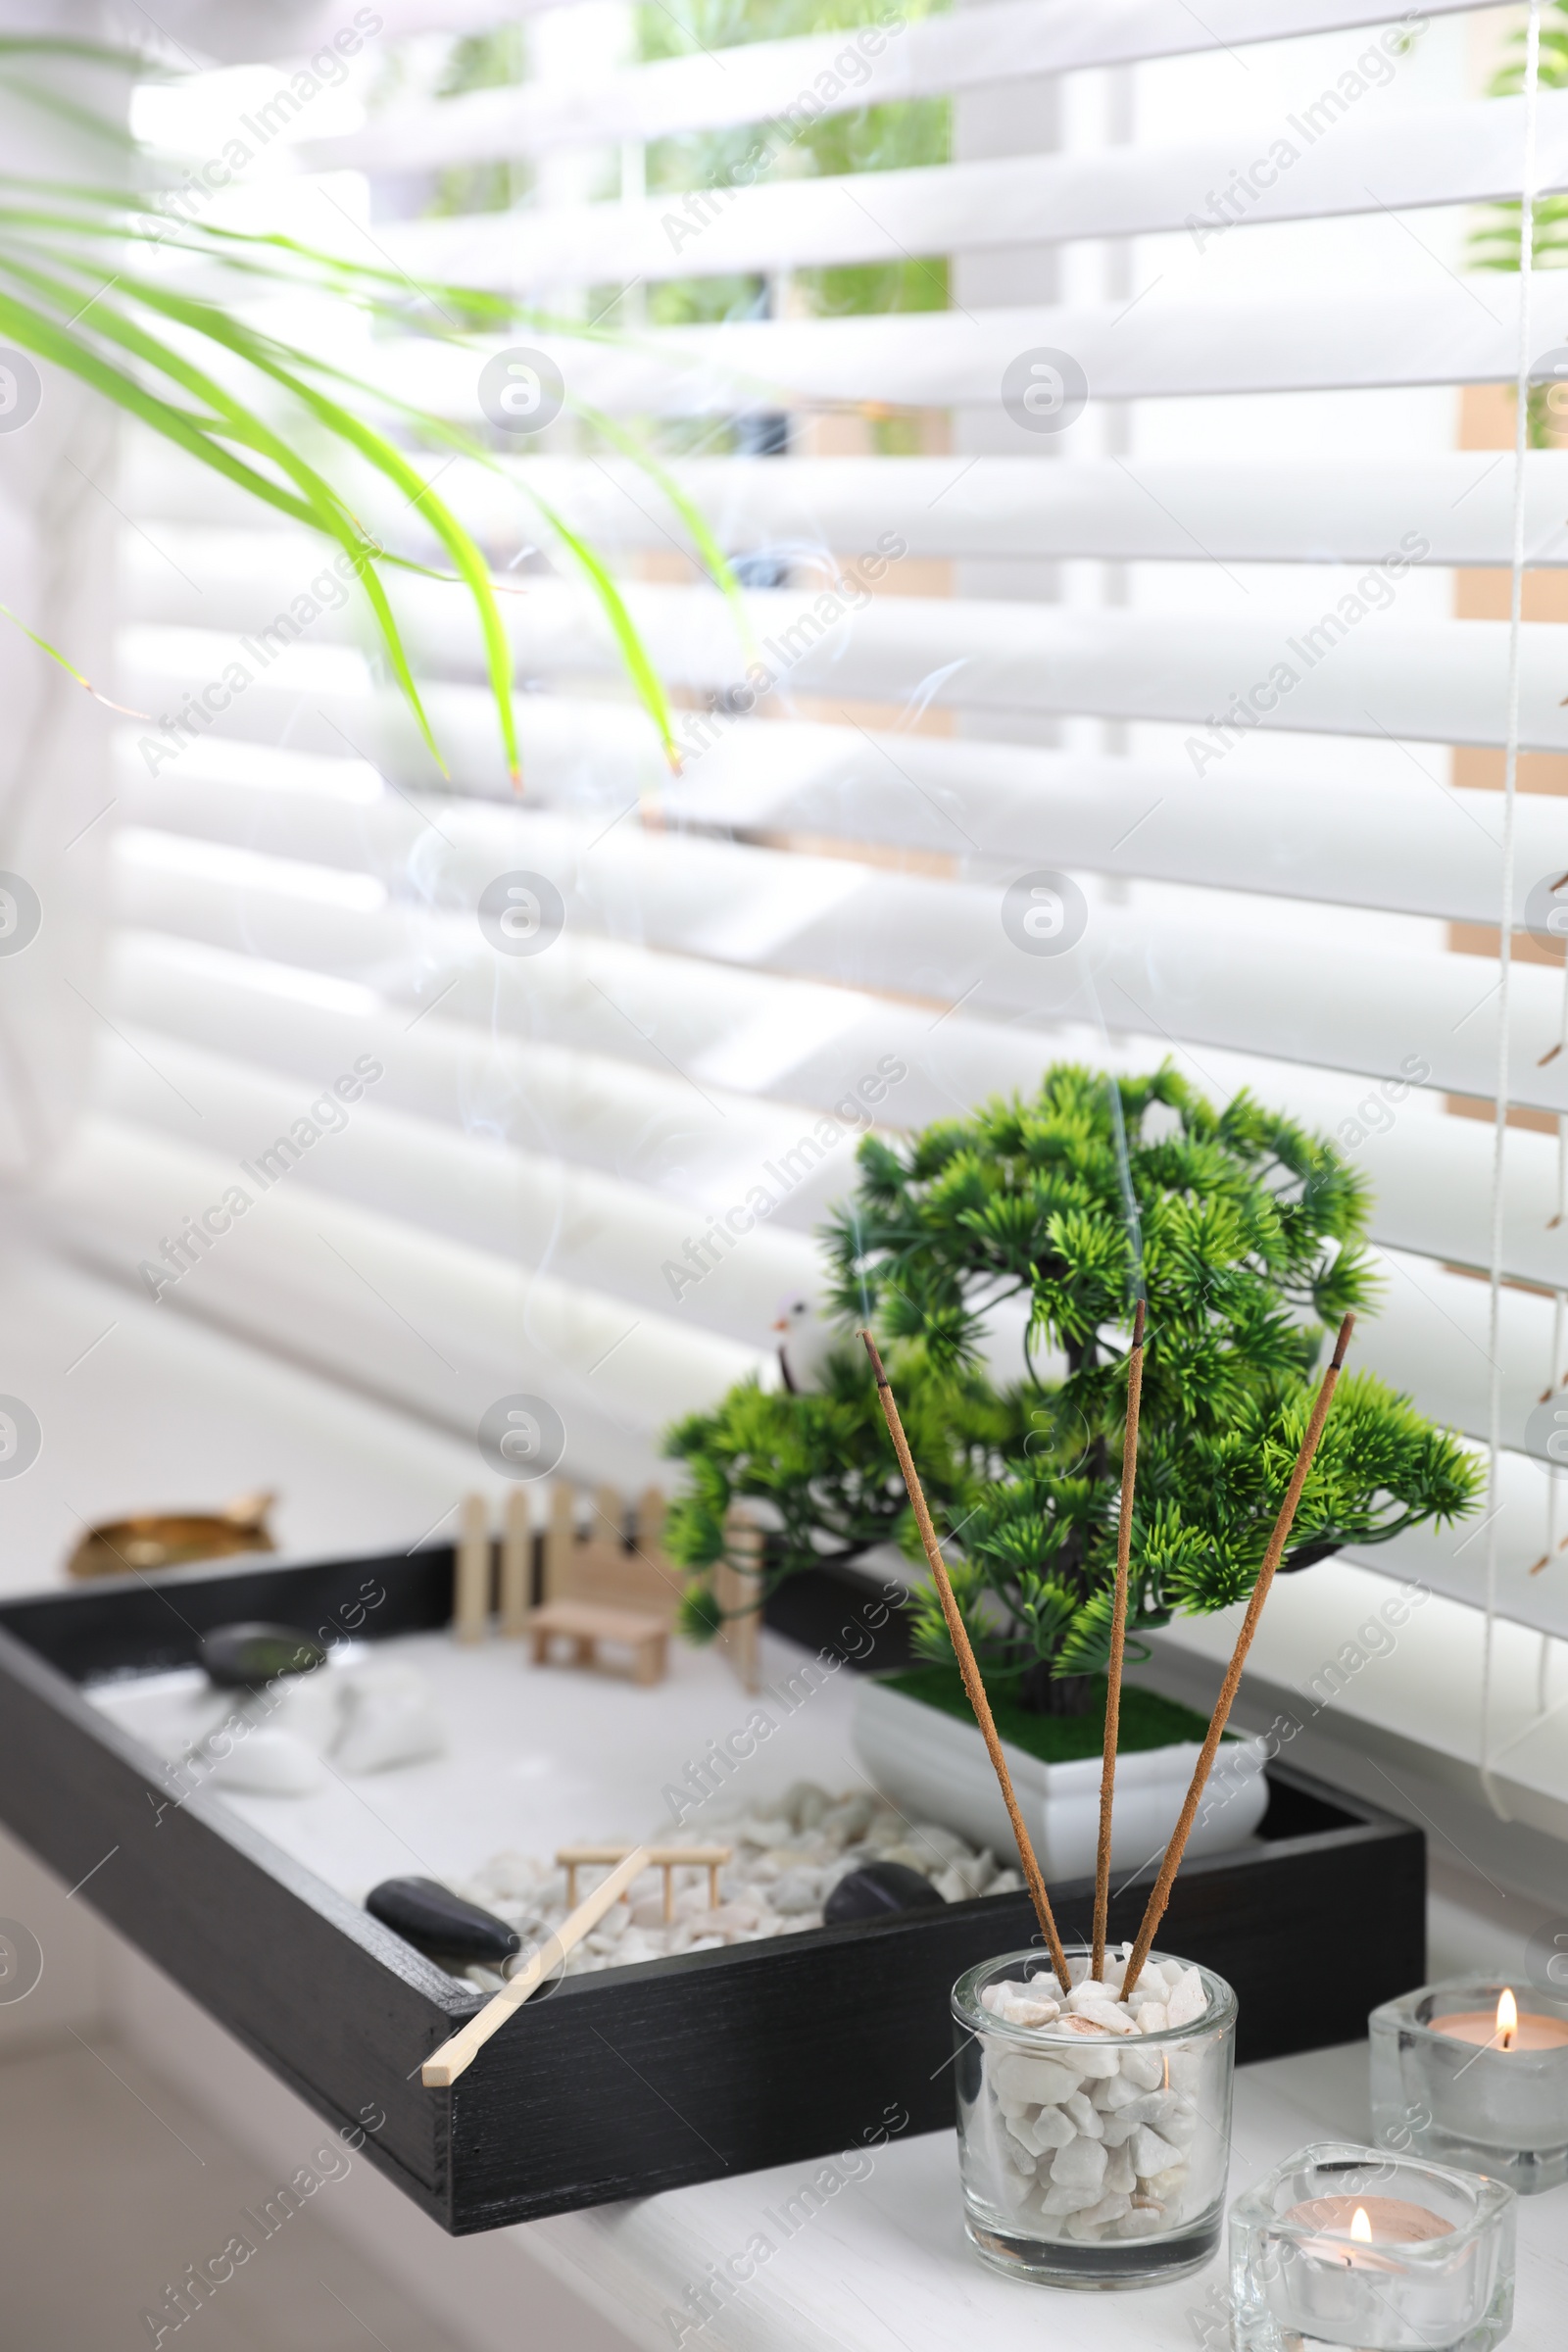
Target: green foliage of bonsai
<point x="1244" y="1233"/>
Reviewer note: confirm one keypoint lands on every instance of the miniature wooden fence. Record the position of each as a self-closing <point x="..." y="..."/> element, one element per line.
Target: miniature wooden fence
<point x="598" y="1549"/>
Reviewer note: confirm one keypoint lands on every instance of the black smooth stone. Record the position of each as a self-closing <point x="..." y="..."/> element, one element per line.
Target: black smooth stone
<point x="247" y="1657"/>
<point x="876" y="1889"/>
<point x="439" y="1923"/>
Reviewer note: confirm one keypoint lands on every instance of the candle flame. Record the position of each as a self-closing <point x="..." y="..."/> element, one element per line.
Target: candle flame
<point x="1360" y="2227"/>
<point x="1507" y="2018"/>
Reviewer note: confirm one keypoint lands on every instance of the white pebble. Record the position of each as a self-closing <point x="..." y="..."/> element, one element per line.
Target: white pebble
<point x="1151" y="2155"/>
<point x="389" y="1718"/>
<point x="1107" y="2015"/>
<point x="939" y="1842"/>
<point x="1152" y="2016"/>
<point x="848" y="1820"/>
<point x="512" y="1876"/>
<point x="1119" y="2172"/>
<point x="1030" y="2013"/>
<point x="1118" y="2091"/>
<point x="1091" y="2059"/>
<point x="1016" y="2187"/>
<point x="1188" y="2000"/>
<point x="1165" y="2110"/>
<point x="1084" y="2116"/>
<point x="796" y="1892"/>
<point x="1185" y="2069"/>
<point x="1081" y="2164"/>
<point x="1142" y="2221"/>
<point x="805" y="1804"/>
<point x="1049" y="2131"/>
<point x="764" y="1832"/>
<point x="1114" y="2208"/>
<point x="1039" y="2082"/>
<point x="1145" y="2068"/>
<point x="1063" y="2198"/>
<point x="1166" y="2188"/>
<point x="270" y="1763"/>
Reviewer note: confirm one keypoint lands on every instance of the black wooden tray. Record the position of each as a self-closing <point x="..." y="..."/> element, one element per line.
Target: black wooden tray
<point x="618" y="2084"/>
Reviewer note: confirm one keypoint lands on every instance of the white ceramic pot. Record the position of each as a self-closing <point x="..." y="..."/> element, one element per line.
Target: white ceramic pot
<point x="935" y="1768"/>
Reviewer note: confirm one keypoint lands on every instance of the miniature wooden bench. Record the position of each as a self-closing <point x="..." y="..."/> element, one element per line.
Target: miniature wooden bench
<point x="585" y="1624"/>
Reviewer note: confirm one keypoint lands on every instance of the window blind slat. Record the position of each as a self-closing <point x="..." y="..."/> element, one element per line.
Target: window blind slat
<point x="1444" y="332"/>
<point x="1441" y="155"/>
<point x="745" y="83"/>
<point x="1411" y="848"/>
<point x="1128" y="509"/>
<point x="1333" y="664"/>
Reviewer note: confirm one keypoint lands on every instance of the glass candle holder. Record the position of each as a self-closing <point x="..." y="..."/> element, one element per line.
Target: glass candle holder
<point x="1092" y="2156"/>
<point x="1471" y="2074"/>
<point x="1353" y="2246"/>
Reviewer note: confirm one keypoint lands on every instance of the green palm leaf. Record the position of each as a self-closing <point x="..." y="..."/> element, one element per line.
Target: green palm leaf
<point x="46" y="259"/>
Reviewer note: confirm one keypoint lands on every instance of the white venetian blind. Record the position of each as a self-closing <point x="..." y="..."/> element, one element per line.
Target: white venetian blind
<point x="1198" y="649"/>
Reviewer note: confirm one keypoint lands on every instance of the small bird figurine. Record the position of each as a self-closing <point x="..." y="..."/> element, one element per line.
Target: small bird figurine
<point x="804" y="1341"/>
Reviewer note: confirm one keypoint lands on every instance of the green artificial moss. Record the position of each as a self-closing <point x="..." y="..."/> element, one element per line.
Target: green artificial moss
<point x="1146" y="1720"/>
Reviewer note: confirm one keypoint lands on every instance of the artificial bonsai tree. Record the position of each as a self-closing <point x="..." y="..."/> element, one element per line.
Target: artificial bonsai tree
<point x="1243" y="1234"/>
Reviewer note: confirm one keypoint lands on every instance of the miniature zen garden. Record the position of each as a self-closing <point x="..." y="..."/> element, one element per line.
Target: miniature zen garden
<point x="1070" y="1377"/>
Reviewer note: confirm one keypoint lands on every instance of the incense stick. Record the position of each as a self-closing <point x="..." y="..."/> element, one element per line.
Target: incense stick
<point x="1118" y="1641"/>
<point x="1154" y="1910"/>
<point x="455" y="2055"/>
<point x="967" y="1667"/>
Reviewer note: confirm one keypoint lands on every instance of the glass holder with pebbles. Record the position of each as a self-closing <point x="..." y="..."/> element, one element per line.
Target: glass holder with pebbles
<point x="1094" y="2136"/>
<point x="1094" y="2090"/>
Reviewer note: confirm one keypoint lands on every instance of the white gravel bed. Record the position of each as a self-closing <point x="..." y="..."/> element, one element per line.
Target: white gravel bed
<point x="786" y="1861"/>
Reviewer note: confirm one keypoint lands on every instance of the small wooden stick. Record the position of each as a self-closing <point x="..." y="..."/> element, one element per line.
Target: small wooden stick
<point x="1118" y="1641"/>
<point x="516" y="1551"/>
<point x="455" y="2056"/>
<point x="967" y="1667"/>
<point x="470" y="1583"/>
<point x="1154" y="1910"/>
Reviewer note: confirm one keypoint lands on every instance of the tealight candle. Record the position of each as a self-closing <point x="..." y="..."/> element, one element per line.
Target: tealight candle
<point x="1346" y="2245"/>
<point x="1459" y="2073"/>
<point x="1370" y="2222"/>
<point x="1504" y="2029"/>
